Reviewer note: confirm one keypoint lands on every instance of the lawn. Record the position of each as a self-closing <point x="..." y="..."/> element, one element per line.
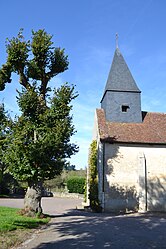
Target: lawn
<point x="14" y="228"/>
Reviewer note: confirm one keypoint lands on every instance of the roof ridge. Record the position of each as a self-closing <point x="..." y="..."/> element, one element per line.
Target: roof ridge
<point x="158" y="113"/>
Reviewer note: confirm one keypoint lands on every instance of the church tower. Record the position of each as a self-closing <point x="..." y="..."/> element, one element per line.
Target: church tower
<point x="122" y="98"/>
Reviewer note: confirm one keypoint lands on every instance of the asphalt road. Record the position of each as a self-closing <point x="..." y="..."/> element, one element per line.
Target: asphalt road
<point x="71" y="228"/>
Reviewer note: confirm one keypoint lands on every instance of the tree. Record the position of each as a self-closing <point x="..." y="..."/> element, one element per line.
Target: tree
<point x="69" y="167"/>
<point x="4" y="131"/>
<point x="40" y="139"/>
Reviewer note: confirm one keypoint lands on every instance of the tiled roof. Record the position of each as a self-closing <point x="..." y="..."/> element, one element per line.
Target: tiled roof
<point x="151" y="131"/>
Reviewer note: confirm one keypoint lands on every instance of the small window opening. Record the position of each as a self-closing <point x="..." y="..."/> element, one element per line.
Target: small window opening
<point x="125" y="108"/>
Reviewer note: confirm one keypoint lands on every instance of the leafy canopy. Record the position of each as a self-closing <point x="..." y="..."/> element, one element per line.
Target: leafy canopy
<point x="5" y="123"/>
<point x="36" y="60"/>
<point x="40" y="139"/>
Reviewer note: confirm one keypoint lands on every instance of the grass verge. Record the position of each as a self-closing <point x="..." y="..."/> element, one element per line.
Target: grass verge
<point x="15" y="228"/>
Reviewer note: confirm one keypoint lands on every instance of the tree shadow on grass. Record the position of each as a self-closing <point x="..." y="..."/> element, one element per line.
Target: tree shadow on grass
<point x="80" y="230"/>
<point x="28" y="224"/>
<point x="25" y="222"/>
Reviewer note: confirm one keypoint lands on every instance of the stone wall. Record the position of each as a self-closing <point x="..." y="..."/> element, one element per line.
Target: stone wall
<point x="68" y="195"/>
<point x="134" y="177"/>
<point x="112" y="104"/>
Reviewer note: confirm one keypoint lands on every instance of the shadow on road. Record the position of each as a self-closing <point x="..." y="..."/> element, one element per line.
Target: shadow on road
<point x="80" y="230"/>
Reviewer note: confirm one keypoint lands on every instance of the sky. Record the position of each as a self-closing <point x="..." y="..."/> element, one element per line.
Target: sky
<point x="87" y="29"/>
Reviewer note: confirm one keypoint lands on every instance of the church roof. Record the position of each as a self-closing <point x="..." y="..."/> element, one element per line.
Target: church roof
<point x="120" y="77"/>
<point x="152" y="130"/>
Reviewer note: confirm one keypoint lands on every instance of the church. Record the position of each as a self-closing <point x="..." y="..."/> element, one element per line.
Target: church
<point x="131" y="145"/>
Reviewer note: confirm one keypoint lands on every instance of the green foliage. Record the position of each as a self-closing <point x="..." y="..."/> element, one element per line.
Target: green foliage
<point x="93" y="178"/>
<point x="36" y="60"/>
<point x="9" y="185"/>
<point x="76" y="185"/>
<point x="39" y="141"/>
<point x="69" y="167"/>
<point x="17" y="49"/>
<point x="5" y="74"/>
<point x="72" y="173"/>
<point x="31" y="105"/>
<point x="58" y="183"/>
<point x="46" y="57"/>
<point x="4" y="132"/>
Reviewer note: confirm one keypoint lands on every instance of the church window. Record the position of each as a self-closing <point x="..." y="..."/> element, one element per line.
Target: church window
<point x="125" y="108"/>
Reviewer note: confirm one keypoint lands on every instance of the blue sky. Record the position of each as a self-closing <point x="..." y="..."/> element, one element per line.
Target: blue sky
<point x="86" y="29"/>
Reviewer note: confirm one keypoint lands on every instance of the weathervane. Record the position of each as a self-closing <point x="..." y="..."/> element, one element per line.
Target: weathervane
<point x="117" y="40"/>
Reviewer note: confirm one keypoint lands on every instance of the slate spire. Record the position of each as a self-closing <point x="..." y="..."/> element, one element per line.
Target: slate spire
<point x="120" y="77"/>
<point x="122" y="98"/>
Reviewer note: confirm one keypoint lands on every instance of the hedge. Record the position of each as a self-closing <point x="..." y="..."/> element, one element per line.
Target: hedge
<point x="76" y="185"/>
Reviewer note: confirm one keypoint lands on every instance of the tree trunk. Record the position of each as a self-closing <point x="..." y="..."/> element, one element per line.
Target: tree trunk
<point x="32" y="200"/>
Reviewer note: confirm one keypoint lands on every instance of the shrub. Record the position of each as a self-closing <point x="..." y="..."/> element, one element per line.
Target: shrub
<point x="93" y="178"/>
<point x="58" y="183"/>
<point x="76" y="185"/>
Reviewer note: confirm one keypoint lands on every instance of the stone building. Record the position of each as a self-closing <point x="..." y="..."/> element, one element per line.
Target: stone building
<point x="131" y="146"/>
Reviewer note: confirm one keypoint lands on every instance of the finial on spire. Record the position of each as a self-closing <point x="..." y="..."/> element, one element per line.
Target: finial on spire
<point x="117" y="40"/>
